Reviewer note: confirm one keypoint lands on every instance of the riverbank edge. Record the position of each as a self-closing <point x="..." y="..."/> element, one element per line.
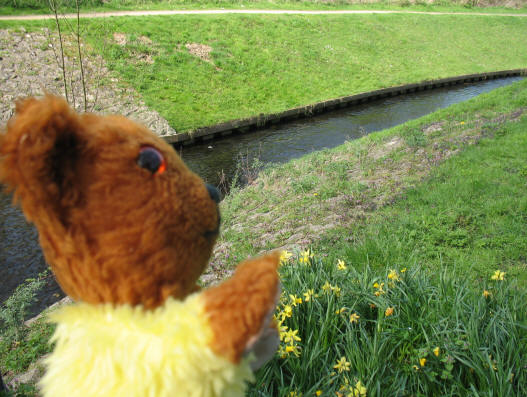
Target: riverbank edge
<point x="261" y="121"/>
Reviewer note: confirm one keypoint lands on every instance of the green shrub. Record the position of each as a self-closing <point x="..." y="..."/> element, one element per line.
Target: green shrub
<point x="15" y="308"/>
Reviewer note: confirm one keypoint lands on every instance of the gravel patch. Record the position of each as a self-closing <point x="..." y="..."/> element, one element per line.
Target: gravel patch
<point x="29" y="66"/>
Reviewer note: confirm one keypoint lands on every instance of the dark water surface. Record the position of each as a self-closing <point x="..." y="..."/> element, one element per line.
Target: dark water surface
<point x="20" y="254"/>
<point x="282" y="143"/>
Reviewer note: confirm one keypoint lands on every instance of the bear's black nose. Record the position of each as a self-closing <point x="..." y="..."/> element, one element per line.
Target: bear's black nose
<point x="213" y="193"/>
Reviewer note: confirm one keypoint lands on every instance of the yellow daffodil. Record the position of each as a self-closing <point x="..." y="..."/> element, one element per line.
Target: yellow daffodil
<point x="462" y="123"/>
<point x="284" y="257"/>
<point x="498" y="275"/>
<point x="415" y="367"/>
<point x="287" y="311"/>
<point x="306" y="256"/>
<point x="295" y="300"/>
<point x="354" y="318"/>
<point x="359" y="390"/>
<point x="393" y="275"/>
<point x="336" y="290"/>
<point x="293" y="349"/>
<point x="318" y="393"/>
<point x="327" y="287"/>
<point x="308" y="295"/>
<point x="295" y="394"/>
<point x="379" y="288"/>
<point x="342" y="365"/>
<point x="291" y="336"/>
<point x="486" y="293"/>
<point x="341" y="265"/>
<point x="436" y="351"/>
<point x="403" y="270"/>
<point x="282" y="330"/>
<point x="422" y="361"/>
<point x="340" y="311"/>
<point x="388" y="312"/>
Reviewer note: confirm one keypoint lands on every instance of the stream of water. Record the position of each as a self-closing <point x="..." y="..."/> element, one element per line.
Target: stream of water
<point x="20" y="254"/>
<point x="282" y="143"/>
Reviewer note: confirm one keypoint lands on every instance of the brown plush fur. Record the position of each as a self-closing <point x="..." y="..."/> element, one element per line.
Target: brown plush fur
<point x="236" y="308"/>
<point x="113" y="232"/>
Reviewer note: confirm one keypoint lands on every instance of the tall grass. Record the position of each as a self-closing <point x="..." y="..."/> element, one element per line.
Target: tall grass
<point x="347" y="331"/>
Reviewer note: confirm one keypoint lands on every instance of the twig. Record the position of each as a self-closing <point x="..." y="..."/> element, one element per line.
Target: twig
<point x="53" y="7"/>
<point x="83" y="81"/>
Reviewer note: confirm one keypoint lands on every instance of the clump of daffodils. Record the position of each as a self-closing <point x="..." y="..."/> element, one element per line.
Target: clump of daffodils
<point x="498" y="276"/>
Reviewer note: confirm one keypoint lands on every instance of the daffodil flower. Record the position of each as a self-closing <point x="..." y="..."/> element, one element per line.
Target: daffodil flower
<point x="305" y="256"/>
<point x="284" y="257"/>
<point x="341" y="265"/>
<point x="295" y="300"/>
<point x="336" y="290"/>
<point x="498" y="275"/>
<point x="392" y="275"/>
<point x="436" y="351"/>
<point x="287" y="311"/>
<point x="342" y="365"/>
<point x="359" y="390"/>
<point x="422" y="361"/>
<point x="354" y="318"/>
<point x="293" y="349"/>
<point x="388" y="312"/>
<point x="327" y="287"/>
<point x="291" y="337"/>
<point x="310" y="293"/>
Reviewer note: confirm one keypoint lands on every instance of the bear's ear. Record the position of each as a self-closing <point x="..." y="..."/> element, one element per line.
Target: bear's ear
<point x="39" y="152"/>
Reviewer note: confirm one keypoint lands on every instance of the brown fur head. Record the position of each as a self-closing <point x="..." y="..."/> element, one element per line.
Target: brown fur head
<point x="111" y="229"/>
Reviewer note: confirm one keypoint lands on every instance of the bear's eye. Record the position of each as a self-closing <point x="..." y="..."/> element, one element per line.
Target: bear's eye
<point x="152" y="160"/>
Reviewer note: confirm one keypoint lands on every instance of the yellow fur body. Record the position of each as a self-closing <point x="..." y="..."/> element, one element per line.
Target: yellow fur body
<point x="124" y="351"/>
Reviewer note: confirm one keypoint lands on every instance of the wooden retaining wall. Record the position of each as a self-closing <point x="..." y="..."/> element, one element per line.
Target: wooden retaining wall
<point x="265" y="120"/>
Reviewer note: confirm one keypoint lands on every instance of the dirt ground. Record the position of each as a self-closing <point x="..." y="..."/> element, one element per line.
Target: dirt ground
<point x="30" y="66"/>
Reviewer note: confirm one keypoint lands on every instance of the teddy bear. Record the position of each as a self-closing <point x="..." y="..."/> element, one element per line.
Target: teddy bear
<point x="127" y="230"/>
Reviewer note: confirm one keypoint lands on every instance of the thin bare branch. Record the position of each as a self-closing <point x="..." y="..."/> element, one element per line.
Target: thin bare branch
<point x="53" y="7"/>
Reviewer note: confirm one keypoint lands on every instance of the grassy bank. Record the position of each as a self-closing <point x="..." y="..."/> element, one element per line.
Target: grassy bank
<point x="417" y="284"/>
<point x="245" y="65"/>
<point x="201" y="70"/>
<point x="25" y="7"/>
<point x="366" y="200"/>
<point x="265" y="64"/>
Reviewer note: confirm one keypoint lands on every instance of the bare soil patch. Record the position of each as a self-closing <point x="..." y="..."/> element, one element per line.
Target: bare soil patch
<point x="30" y="67"/>
<point x="202" y="51"/>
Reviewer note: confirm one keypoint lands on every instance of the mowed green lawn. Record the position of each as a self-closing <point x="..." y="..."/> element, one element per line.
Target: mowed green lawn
<point x="265" y="64"/>
<point x="254" y="64"/>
